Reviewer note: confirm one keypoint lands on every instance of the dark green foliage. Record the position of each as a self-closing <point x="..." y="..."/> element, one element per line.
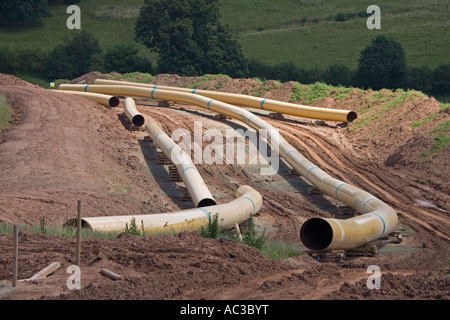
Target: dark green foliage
<point x="72" y="58"/>
<point x="419" y="79"/>
<point x="132" y="228"/>
<point x="382" y="64"/>
<point x="212" y="230"/>
<point x="338" y="75"/>
<point x="189" y="38"/>
<point x="26" y="60"/>
<point x="251" y="238"/>
<point x="288" y="71"/>
<point x="125" y="59"/>
<point x="258" y="69"/>
<point x="22" y="12"/>
<point x="51" y="2"/>
<point x="9" y="60"/>
<point x="441" y="80"/>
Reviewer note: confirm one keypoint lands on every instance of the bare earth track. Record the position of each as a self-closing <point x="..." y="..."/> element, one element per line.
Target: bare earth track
<point x="60" y="148"/>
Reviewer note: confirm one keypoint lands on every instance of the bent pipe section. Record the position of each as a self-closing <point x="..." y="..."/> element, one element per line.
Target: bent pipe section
<point x="254" y="102"/>
<point x="248" y="201"/>
<point x="103" y="99"/>
<point x="129" y="107"/>
<point x="196" y="187"/>
<point x="377" y="219"/>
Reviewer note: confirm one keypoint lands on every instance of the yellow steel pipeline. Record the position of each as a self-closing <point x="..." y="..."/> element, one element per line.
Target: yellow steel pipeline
<point x="129" y="108"/>
<point x="196" y="187"/>
<point x="248" y="201"/>
<point x="377" y="219"/>
<point x="103" y="99"/>
<point x="253" y="102"/>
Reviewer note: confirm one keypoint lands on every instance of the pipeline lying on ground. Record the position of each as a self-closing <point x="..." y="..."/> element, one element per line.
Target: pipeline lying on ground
<point x="254" y="102"/>
<point x="377" y="219"/>
<point x="131" y="112"/>
<point x="196" y="187"/>
<point x="103" y="99"/>
<point x="248" y="201"/>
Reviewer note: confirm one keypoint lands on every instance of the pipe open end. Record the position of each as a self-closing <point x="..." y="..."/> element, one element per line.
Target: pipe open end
<point x="351" y="116"/>
<point x="206" y="203"/>
<point x="138" y="120"/>
<point x="114" y="102"/>
<point x="316" y="234"/>
<point x="73" y="223"/>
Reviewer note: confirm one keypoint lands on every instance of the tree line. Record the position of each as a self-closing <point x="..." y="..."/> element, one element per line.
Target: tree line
<point x="382" y="64"/>
<point x="190" y="40"/>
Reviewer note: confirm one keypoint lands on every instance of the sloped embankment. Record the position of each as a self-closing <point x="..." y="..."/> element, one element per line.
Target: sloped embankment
<point x="404" y="130"/>
<point x="60" y="149"/>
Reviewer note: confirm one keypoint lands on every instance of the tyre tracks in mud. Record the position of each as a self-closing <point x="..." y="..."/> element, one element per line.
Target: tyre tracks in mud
<point x="328" y="155"/>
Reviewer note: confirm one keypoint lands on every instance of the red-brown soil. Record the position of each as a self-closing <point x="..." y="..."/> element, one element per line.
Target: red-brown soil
<point x="60" y="149"/>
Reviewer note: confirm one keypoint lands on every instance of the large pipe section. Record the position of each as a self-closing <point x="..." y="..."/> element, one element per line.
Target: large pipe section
<point x="253" y="102"/>
<point x="248" y="201"/>
<point x="377" y="219"/>
<point x="196" y="187"/>
<point x="129" y="108"/>
<point x="103" y="99"/>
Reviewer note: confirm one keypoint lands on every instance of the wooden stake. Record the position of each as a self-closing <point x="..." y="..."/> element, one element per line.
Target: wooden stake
<point x="15" y="256"/>
<point x="78" y="258"/>
<point x="238" y="231"/>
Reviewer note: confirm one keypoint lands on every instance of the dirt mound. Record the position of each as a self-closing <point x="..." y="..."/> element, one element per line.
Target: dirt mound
<point x="60" y="149"/>
<point x="91" y="76"/>
<point x="428" y="286"/>
<point x="187" y="266"/>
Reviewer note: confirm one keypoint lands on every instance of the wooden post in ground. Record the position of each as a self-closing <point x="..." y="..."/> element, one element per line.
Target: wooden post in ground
<point x="15" y="256"/>
<point x="78" y="234"/>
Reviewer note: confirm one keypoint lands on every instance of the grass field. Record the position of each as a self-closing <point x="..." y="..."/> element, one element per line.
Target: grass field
<point x="301" y="31"/>
<point x="306" y="31"/>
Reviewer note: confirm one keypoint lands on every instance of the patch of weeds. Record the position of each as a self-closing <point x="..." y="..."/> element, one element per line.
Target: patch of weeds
<point x="444" y="106"/>
<point x="275" y="250"/>
<point x="212" y="230"/>
<point x="342" y="93"/>
<point x="441" y="138"/>
<point x="265" y="86"/>
<point x="251" y="238"/>
<point x="135" y="77"/>
<point x="422" y="122"/>
<point x="133" y="228"/>
<point x="42" y="226"/>
<point x="299" y="92"/>
<point x="258" y="81"/>
<point x="206" y="78"/>
<point x="312" y="93"/>
<point x="6" y="113"/>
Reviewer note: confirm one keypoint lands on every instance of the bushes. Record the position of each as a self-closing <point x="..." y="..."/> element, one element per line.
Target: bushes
<point x="382" y="64"/>
<point x="73" y="58"/>
<point x="15" y="13"/>
<point x="430" y="81"/>
<point x="21" y="60"/>
<point x="77" y="56"/>
<point x="125" y="58"/>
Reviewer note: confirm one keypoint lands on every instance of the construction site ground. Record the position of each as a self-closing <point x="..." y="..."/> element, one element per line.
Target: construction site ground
<point x="63" y="148"/>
